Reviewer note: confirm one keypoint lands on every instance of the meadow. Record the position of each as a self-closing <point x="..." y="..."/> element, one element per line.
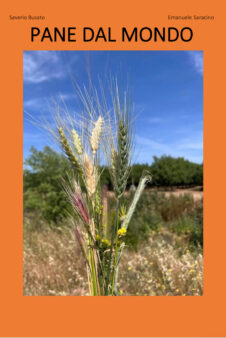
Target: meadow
<point x="163" y="254"/>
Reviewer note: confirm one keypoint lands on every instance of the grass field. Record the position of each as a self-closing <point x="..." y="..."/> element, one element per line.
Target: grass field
<point x="163" y="256"/>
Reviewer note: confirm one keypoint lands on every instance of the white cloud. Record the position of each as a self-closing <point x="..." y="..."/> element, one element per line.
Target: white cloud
<point x="190" y="149"/>
<point x="44" y="103"/>
<point x="155" y="119"/>
<point x="37" y="103"/>
<point x="191" y="145"/>
<point x="196" y="59"/>
<point x="40" y="66"/>
<point x="66" y="97"/>
<point x="144" y="141"/>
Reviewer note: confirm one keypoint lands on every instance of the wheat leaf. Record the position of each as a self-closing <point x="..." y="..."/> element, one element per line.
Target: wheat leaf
<point x="140" y="188"/>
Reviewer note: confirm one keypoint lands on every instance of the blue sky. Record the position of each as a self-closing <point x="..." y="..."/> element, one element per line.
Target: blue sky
<point x="166" y="87"/>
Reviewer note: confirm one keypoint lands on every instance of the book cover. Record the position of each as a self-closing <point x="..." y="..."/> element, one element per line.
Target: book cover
<point x="112" y="214"/>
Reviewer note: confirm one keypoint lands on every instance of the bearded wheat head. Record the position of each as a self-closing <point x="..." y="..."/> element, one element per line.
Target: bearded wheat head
<point x="90" y="175"/>
<point x="77" y="142"/>
<point x="96" y="134"/>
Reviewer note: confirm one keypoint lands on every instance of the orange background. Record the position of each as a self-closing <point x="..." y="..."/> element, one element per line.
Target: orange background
<point x="112" y="316"/>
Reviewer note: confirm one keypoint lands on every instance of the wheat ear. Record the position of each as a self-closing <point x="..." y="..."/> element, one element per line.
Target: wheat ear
<point x="90" y="175"/>
<point x="68" y="150"/>
<point x="96" y="134"/>
<point x="77" y="142"/>
<point x="120" y="160"/>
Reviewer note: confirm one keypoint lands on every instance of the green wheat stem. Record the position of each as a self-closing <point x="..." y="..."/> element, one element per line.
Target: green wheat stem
<point x="117" y="266"/>
<point x="127" y="219"/>
<point x="114" y="284"/>
<point x="136" y="198"/>
<point x="93" y="269"/>
<point x="112" y="244"/>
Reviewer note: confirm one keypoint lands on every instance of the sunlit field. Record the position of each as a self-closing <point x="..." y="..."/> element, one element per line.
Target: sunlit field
<point x="163" y="255"/>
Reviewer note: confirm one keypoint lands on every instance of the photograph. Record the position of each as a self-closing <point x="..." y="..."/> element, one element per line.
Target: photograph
<point x="112" y="173"/>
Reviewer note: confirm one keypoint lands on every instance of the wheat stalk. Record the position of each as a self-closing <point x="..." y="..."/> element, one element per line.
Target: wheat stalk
<point x="143" y="181"/>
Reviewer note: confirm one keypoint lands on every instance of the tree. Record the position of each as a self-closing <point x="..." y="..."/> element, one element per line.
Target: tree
<point x="43" y="184"/>
<point x="169" y="171"/>
<point x="44" y="170"/>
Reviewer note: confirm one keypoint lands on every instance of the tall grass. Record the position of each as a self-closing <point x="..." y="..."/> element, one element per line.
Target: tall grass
<point x="162" y="266"/>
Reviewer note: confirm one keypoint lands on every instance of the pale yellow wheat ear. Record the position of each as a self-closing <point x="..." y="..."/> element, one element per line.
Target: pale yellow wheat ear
<point x="90" y="175"/>
<point x="96" y="134"/>
<point x="77" y="142"/>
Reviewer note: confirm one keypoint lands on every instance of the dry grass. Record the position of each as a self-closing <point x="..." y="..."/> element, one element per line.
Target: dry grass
<point x="54" y="265"/>
<point x="196" y="195"/>
<point x="160" y="269"/>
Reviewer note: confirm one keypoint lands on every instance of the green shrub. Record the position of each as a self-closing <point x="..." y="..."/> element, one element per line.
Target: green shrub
<point x="169" y="171"/>
<point x="155" y="212"/>
<point x="189" y="228"/>
<point x="141" y="226"/>
<point x="43" y="194"/>
<point x="173" y="207"/>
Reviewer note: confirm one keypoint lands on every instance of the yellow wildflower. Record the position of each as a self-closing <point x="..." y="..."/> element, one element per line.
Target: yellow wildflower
<point x="121" y="232"/>
<point x="106" y="241"/>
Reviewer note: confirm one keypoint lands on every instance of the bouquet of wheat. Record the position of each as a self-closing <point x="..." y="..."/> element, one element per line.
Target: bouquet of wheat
<point x="108" y="132"/>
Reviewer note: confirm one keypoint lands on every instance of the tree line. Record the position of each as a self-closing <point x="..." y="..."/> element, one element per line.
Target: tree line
<point x="43" y="172"/>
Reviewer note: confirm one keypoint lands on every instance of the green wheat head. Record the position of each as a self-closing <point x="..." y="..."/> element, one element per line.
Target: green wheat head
<point x="68" y="150"/>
